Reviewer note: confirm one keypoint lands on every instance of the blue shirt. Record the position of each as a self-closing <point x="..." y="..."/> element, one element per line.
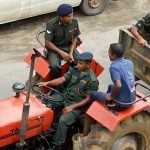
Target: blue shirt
<point x="123" y="70"/>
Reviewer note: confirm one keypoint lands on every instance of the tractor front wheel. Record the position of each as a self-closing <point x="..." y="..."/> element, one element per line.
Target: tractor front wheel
<point x="131" y="134"/>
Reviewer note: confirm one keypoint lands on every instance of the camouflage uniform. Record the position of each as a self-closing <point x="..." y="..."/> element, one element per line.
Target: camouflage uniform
<point x="143" y="26"/>
<point x="80" y="85"/>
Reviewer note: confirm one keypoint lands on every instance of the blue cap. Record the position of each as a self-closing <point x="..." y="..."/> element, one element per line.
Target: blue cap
<point x="64" y="10"/>
<point x="85" y="56"/>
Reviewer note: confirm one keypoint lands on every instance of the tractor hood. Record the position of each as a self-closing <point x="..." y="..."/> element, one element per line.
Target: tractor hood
<point x="40" y="118"/>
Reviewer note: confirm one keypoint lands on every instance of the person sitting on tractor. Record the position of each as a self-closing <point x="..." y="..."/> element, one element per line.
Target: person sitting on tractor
<point x="81" y="81"/>
<point x="142" y="30"/>
<point x="123" y="87"/>
<point x="61" y="38"/>
<point x="122" y="75"/>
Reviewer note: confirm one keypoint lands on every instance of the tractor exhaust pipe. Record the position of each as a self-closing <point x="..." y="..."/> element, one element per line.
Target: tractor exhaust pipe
<point x="26" y="104"/>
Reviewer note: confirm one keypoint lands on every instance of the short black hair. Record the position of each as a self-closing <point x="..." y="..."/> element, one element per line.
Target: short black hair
<point x="117" y="49"/>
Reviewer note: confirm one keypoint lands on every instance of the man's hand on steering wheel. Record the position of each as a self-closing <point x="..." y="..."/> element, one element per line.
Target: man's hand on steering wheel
<point x="43" y="95"/>
<point x="42" y="84"/>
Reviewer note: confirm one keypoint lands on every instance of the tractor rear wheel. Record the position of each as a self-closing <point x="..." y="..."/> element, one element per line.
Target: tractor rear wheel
<point x="131" y="134"/>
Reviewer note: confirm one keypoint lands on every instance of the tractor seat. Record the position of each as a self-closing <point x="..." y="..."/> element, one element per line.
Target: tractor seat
<point x="44" y="64"/>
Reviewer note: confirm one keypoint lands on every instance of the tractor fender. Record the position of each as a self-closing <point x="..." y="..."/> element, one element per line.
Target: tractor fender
<point x="111" y="119"/>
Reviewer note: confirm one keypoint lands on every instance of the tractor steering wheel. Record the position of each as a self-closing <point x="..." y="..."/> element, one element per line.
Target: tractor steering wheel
<point x="45" y="96"/>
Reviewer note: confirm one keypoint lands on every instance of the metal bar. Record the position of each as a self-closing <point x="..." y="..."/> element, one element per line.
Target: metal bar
<point x="26" y="104"/>
<point x="131" y="102"/>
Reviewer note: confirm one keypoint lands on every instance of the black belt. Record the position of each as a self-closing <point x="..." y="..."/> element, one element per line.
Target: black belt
<point x="64" y="45"/>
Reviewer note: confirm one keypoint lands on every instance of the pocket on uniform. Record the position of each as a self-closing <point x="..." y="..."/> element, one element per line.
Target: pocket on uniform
<point x="59" y="36"/>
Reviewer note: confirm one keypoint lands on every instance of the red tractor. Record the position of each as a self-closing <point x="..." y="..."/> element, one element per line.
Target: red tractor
<point x="25" y="121"/>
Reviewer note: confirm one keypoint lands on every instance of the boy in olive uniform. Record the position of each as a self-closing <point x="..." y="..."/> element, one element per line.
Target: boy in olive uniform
<point x="142" y="27"/>
<point x="81" y="81"/>
<point x="61" y="37"/>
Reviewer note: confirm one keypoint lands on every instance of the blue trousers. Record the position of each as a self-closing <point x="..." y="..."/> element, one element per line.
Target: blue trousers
<point x="101" y="97"/>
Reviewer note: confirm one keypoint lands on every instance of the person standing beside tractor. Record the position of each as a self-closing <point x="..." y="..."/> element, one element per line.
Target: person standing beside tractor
<point x="142" y="30"/>
<point x="61" y="38"/>
<point x="81" y="81"/>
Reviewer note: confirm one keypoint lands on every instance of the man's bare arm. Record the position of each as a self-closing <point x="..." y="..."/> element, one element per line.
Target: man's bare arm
<point x="140" y="39"/>
<point x="77" y="105"/>
<point x="55" y="82"/>
<point x="53" y="47"/>
<point x="115" y="90"/>
<point x="72" y="47"/>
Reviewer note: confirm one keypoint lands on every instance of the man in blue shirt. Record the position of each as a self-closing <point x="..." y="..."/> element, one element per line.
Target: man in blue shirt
<point x="122" y="75"/>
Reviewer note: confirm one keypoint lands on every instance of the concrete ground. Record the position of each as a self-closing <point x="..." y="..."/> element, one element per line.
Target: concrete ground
<point x="18" y="38"/>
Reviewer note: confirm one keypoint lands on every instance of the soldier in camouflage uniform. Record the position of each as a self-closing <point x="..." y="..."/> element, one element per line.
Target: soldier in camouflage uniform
<point x="61" y="37"/>
<point x="81" y="81"/>
<point x="142" y="30"/>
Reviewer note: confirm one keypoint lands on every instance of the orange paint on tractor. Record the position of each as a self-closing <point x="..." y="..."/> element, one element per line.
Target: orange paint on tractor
<point x="42" y="66"/>
<point x="111" y="120"/>
<point x="40" y="118"/>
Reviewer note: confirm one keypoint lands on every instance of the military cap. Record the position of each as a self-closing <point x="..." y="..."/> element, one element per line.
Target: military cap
<point x="85" y="56"/>
<point x="64" y="10"/>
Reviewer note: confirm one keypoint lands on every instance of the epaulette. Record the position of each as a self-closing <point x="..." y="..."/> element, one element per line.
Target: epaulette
<point x="54" y="20"/>
<point x="75" y="21"/>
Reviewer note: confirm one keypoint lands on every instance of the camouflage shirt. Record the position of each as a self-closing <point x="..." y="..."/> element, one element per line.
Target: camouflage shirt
<point x="143" y="25"/>
<point x="80" y="85"/>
